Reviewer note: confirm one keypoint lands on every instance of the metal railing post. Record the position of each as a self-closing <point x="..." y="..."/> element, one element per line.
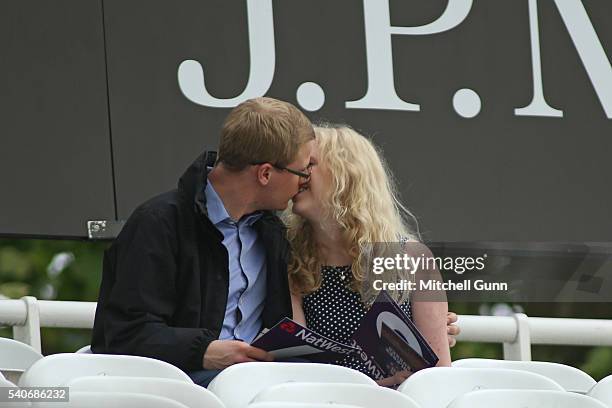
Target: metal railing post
<point x="520" y="348"/>
<point x="29" y="333"/>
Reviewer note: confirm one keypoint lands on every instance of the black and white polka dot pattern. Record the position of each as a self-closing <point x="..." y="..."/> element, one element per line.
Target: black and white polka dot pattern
<point x="335" y="311"/>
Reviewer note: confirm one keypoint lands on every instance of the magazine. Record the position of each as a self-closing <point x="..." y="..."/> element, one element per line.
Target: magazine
<point x="390" y="341"/>
<point x="290" y="340"/>
<point x="386" y="341"/>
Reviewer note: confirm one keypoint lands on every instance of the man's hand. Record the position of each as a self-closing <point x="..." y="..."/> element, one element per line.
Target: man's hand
<point x="451" y="328"/>
<point x="224" y="353"/>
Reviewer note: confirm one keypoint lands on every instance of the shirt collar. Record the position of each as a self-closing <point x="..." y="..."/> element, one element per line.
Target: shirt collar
<point x="216" y="211"/>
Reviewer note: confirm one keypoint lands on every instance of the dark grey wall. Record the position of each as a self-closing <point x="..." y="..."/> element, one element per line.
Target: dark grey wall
<point x="55" y="160"/>
<point x="494" y="177"/>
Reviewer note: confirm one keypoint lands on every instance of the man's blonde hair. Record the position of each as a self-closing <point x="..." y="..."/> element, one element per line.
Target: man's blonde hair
<point x="263" y="130"/>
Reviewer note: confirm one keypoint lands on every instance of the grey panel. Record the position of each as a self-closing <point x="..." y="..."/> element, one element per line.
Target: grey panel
<point x="55" y="162"/>
<point x="494" y="177"/>
<point x="157" y="132"/>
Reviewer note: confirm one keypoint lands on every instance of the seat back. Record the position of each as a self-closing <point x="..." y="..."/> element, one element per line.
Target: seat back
<point x="59" y="369"/>
<point x="190" y="395"/>
<point x="365" y="396"/>
<point x="15" y="358"/>
<point x="112" y="399"/>
<point x="254" y="377"/>
<point x="524" y="399"/>
<point x="286" y="404"/>
<point x="5" y="404"/>
<point x="85" y="349"/>
<point x="436" y="387"/>
<point x="602" y="391"/>
<point x="570" y="378"/>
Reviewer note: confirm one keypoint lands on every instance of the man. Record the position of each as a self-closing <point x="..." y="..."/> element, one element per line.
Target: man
<point x="198" y="271"/>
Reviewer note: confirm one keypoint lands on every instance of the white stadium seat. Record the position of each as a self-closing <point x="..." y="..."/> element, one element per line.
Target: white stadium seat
<point x="570" y="378"/>
<point x="59" y="369"/>
<point x="237" y="385"/>
<point x="6" y="404"/>
<point x="190" y="395"/>
<point x="602" y="391"/>
<point x="524" y="399"/>
<point x="364" y="396"/>
<point x="85" y="349"/>
<point x="436" y="387"/>
<point x="112" y="399"/>
<point x="285" y="404"/>
<point x="15" y="358"/>
<point x="6" y="383"/>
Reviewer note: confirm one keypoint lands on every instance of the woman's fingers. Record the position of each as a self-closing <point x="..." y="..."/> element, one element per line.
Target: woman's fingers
<point x="451" y="328"/>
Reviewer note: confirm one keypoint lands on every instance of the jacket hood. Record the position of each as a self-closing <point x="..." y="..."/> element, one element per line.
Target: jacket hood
<point x="192" y="182"/>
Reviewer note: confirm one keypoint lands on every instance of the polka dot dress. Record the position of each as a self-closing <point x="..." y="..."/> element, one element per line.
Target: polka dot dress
<point x="335" y="311"/>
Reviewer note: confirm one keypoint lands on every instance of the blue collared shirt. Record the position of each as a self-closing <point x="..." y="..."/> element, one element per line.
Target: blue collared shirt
<point x="247" y="270"/>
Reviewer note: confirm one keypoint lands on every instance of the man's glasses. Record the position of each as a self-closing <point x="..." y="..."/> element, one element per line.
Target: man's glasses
<point x="296" y="172"/>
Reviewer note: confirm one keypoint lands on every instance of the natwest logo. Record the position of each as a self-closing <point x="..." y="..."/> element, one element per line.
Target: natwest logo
<point x="379" y="33"/>
<point x="289" y="327"/>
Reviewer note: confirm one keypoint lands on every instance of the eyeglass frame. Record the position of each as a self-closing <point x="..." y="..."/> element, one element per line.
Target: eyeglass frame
<point x="296" y="172"/>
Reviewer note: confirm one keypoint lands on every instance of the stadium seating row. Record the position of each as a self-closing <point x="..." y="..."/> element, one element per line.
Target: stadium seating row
<point x="129" y="381"/>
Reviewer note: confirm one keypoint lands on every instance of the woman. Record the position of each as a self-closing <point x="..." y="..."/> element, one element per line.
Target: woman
<point x="348" y="203"/>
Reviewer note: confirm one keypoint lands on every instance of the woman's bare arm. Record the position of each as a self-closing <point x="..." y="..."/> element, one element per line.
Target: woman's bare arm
<point x="298" y="310"/>
<point x="430" y="319"/>
<point x="430" y="308"/>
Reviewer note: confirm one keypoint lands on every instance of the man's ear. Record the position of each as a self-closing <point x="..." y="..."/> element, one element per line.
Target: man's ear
<point x="264" y="173"/>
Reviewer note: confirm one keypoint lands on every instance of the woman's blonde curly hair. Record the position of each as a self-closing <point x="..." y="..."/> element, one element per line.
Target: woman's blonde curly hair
<point x="364" y="203"/>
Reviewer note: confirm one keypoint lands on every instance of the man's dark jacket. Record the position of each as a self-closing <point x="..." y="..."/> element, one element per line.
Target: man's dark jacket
<point x="165" y="281"/>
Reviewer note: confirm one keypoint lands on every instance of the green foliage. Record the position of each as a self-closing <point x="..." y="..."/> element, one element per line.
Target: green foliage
<point x="14" y="265"/>
<point x="24" y="270"/>
<point x="598" y="362"/>
<point x="14" y="290"/>
<point x="480" y="350"/>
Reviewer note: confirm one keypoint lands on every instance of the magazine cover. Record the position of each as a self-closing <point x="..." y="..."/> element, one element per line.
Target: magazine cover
<point x="386" y="341"/>
<point x="389" y="340"/>
<point x="289" y="339"/>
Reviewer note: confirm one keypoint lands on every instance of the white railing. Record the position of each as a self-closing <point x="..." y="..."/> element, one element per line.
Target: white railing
<point x="517" y="333"/>
<point x="28" y="314"/>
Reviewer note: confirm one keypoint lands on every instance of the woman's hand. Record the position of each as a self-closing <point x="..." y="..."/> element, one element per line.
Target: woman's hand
<point x="452" y="329"/>
<point x="396" y="379"/>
